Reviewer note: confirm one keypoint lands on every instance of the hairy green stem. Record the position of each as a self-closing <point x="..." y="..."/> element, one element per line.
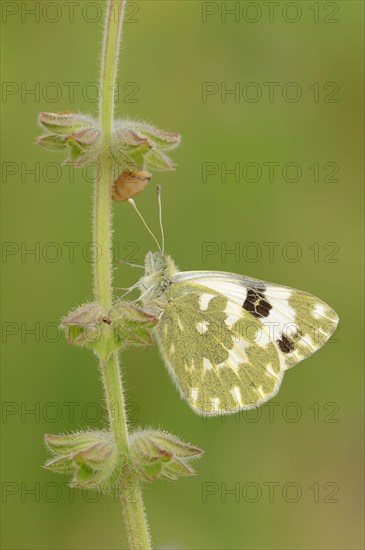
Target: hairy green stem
<point x="130" y="489"/>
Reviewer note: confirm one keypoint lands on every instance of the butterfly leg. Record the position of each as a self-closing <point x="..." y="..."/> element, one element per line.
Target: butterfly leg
<point x="128" y="289"/>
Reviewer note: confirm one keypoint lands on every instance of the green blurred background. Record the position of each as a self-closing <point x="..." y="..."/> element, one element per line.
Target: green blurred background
<point x="311" y="437"/>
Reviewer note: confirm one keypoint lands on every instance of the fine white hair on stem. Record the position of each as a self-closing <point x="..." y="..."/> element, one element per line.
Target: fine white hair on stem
<point x="110" y="66"/>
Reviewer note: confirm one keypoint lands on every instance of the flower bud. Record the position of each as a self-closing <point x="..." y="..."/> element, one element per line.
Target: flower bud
<point x="65" y="123"/>
<point x="86" y="138"/>
<point x="83" y="146"/>
<point x="52" y="142"/>
<point x="157" y="455"/>
<point x="90" y="457"/>
<point x="75" y="132"/>
<point x="128" y="149"/>
<point x="159" y="139"/>
<point x="138" y="145"/>
<point x="125" y="324"/>
<point x="86" y="326"/>
<point x="81" y="324"/>
<point x="131" y="325"/>
<point x="83" y="315"/>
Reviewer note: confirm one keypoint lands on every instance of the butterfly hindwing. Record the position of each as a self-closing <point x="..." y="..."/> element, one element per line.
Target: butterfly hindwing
<point x="214" y="350"/>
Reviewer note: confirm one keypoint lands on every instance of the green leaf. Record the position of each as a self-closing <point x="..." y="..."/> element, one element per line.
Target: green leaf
<point x="76" y="153"/>
<point x="158" y="161"/>
<point x="61" y="465"/>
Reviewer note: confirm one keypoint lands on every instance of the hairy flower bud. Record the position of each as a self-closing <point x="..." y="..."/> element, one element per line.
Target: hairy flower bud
<point x="76" y="133"/>
<point x="52" y="142"/>
<point x="64" y="123"/>
<point x="131" y="325"/>
<point x="90" y="457"/>
<point x="158" y="454"/>
<point x="138" y="145"/>
<point x="124" y="325"/>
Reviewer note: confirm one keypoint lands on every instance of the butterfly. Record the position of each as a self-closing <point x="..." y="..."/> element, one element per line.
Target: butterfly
<point x="227" y="339"/>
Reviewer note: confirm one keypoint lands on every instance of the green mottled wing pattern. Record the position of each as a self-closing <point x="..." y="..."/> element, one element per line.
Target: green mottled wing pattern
<point x="227" y="339"/>
<point x="297" y="322"/>
<point x="314" y="324"/>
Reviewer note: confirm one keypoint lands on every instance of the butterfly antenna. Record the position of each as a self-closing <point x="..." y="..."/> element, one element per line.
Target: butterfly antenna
<point x="129" y="263"/>
<point x="160" y="218"/>
<point x="131" y="202"/>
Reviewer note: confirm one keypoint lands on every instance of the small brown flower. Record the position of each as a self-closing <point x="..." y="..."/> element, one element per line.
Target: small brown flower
<point x="128" y="184"/>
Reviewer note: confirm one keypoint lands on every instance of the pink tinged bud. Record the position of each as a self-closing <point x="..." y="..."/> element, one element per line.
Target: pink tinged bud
<point x="131" y="325"/>
<point x="83" y="315"/>
<point x="65" y="123"/>
<point x="84" y="325"/>
<point x="158" y="138"/>
<point x="132" y="312"/>
<point x="86" y="138"/>
<point x="63" y="444"/>
<point x="128" y="149"/>
<point x="125" y="324"/>
<point x="90" y="457"/>
<point x="83" y="146"/>
<point x="161" y="455"/>
<point x="138" y="145"/>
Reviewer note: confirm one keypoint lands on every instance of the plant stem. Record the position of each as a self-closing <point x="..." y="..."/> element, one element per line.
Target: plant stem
<point x="103" y="211"/>
<point x="130" y="489"/>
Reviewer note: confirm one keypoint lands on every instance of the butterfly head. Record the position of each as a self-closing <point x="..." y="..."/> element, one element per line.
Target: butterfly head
<point x="159" y="271"/>
<point x="159" y="264"/>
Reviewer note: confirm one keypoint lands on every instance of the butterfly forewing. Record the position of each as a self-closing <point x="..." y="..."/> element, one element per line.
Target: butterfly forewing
<point x="296" y="321"/>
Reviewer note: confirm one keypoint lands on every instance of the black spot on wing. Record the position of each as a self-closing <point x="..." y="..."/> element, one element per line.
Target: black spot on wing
<point x="258" y="286"/>
<point x="285" y="344"/>
<point x="256" y="303"/>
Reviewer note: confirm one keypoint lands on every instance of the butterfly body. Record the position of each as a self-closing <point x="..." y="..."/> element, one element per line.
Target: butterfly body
<point x="227" y="339"/>
<point x="159" y="272"/>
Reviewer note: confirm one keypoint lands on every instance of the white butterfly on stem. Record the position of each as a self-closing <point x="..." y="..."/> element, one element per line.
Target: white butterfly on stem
<point x="227" y="339"/>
